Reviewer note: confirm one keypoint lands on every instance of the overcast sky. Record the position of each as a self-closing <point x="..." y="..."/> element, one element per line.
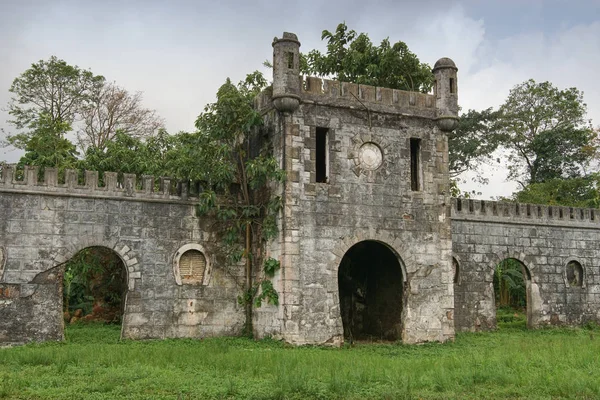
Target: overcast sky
<point x="179" y="52"/>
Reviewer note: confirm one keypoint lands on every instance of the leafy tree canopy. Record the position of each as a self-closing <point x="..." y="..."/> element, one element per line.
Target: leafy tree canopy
<point x="51" y="88"/>
<point x="131" y="155"/>
<point x="473" y="141"/>
<point x="573" y="192"/>
<point x="352" y="57"/>
<point x="546" y="133"/>
<point x="47" y="147"/>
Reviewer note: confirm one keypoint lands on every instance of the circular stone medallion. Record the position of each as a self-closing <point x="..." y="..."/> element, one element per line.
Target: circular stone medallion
<point x="370" y="156"/>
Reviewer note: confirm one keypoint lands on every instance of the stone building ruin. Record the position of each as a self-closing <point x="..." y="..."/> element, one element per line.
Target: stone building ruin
<point x="371" y="244"/>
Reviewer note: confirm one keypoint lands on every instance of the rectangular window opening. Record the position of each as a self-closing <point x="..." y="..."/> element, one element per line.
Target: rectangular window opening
<point x="415" y="164"/>
<point x="322" y="154"/>
<point x="290" y="59"/>
<point x="451" y="85"/>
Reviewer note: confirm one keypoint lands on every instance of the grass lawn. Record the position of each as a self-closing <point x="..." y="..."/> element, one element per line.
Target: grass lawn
<point x="510" y="363"/>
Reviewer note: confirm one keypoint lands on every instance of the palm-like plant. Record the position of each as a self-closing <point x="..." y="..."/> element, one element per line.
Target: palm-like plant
<point x="509" y="284"/>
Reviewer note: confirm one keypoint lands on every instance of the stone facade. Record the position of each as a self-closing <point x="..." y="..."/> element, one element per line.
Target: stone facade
<point x="545" y="240"/>
<point x="365" y="195"/>
<point x="43" y="224"/>
<point x="368" y="233"/>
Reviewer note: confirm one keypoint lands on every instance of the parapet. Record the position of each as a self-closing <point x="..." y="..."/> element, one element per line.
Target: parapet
<point x="163" y="189"/>
<point x="517" y="213"/>
<point x="333" y="93"/>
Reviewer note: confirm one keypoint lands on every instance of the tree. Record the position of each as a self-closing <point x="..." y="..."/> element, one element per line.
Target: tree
<point x="52" y="90"/>
<point x="111" y="109"/>
<point x="132" y="155"/>
<point x="546" y="133"/>
<point x="473" y="141"/>
<point x="352" y="57"/>
<point x="47" y="147"/>
<point x="227" y="152"/>
<point x="572" y="192"/>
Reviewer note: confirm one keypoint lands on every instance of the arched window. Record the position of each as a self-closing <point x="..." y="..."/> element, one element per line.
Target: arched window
<point x="574" y="274"/>
<point x="190" y="265"/>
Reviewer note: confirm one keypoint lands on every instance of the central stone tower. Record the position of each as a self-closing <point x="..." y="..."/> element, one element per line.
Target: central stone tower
<point x="365" y="242"/>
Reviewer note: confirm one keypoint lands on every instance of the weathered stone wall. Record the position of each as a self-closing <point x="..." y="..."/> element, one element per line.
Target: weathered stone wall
<point x="545" y="239"/>
<point x="322" y="221"/>
<point x="43" y="224"/>
<point x="375" y="139"/>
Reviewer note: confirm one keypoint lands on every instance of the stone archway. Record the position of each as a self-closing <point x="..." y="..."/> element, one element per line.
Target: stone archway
<point x="371" y="282"/>
<point x="95" y="286"/>
<point x="508" y="270"/>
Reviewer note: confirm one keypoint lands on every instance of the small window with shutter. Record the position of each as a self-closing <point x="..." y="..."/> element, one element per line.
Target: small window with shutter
<point x="191" y="266"/>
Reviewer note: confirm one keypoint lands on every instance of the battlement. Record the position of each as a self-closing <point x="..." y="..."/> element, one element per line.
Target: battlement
<point x="314" y="90"/>
<point x="507" y="212"/>
<point x="127" y="188"/>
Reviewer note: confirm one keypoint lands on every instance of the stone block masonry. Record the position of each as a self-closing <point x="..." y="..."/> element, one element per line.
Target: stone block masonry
<point x="370" y="243"/>
<point x="44" y="224"/>
<point x="545" y="239"/>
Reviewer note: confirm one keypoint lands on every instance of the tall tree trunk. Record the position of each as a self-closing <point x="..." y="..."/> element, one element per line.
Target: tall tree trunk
<point x="248" y="328"/>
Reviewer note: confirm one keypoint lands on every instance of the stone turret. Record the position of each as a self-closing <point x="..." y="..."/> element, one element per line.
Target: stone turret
<point x="446" y="94"/>
<point x="286" y="72"/>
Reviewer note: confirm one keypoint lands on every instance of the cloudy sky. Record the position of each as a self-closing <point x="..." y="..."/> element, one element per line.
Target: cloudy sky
<point x="179" y="52"/>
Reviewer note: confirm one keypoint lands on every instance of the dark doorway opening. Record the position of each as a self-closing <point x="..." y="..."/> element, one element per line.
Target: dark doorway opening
<point x="94" y="286"/>
<point x="512" y="289"/>
<point x="371" y="292"/>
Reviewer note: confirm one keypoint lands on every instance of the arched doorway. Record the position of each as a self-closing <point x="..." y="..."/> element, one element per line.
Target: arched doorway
<point x="512" y="294"/>
<point x="371" y="283"/>
<point x="94" y="286"/>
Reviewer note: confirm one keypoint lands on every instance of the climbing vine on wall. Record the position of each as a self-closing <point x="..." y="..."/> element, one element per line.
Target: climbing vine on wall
<point x="231" y="154"/>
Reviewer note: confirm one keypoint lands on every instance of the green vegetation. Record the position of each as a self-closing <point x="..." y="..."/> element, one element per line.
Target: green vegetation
<point x="352" y="57"/>
<point x="509" y="284"/>
<point x="510" y="363"/>
<point x="94" y="281"/>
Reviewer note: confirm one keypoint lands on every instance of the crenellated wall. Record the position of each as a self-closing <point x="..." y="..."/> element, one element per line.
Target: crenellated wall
<point x="507" y="212"/>
<point x="545" y="239"/>
<point x="44" y="224"/>
<point x="128" y="188"/>
<point x="333" y="93"/>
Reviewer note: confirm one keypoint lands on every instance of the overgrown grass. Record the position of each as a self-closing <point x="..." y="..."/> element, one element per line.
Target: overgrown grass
<point x="510" y="363"/>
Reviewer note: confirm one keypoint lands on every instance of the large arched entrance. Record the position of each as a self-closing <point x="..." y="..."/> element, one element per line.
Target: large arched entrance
<point x="94" y="286"/>
<point x="370" y="285"/>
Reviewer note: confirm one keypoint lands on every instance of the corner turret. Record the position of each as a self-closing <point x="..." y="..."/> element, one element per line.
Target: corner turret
<point x="446" y="94"/>
<point x="286" y="73"/>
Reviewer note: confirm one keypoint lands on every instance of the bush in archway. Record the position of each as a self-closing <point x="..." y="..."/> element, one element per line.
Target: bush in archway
<point x="94" y="283"/>
<point x="509" y="285"/>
